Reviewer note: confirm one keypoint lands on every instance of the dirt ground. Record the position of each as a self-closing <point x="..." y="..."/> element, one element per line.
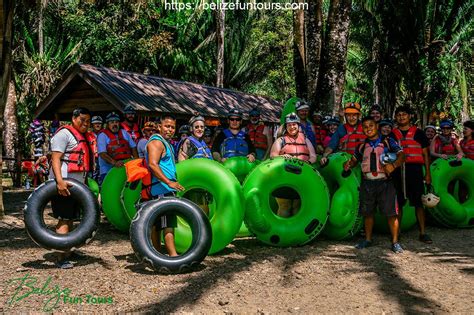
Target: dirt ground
<point x="247" y="277"/>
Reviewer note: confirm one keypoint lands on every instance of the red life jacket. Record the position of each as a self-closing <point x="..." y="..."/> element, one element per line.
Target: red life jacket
<point x="79" y="158"/>
<point x="353" y="138"/>
<point x="258" y="138"/>
<point x="133" y="131"/>
<point x="412" y="149"/>
<point x="93" y="144"/>
<point x="320" y="133"/>
<point x="295" y="147"/>
<point x="468" y="148"/>
<point x="118" y="147"/>
<point x="445" y="148"/>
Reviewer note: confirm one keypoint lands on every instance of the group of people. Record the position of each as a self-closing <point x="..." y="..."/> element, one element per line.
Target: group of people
<point x="77" y="153"/>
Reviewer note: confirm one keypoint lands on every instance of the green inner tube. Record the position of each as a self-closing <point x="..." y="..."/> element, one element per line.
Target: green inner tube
<point x="240" y="166"/>
<point x="288" y="108"/>
<point x="93" y="186"/>
<point x="280" y="173"/>
<point x="111" y="198"/>
<point x="453" y="211"/>
<point x="226" y="219"/>
<point x="131" y="193"/>
<point x="344" y="219"/>
<point x="408" y="220"/>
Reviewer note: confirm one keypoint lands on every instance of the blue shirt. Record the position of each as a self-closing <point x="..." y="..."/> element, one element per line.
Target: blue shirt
<point x="336" y="137"/>
<point x="102" y="142"/>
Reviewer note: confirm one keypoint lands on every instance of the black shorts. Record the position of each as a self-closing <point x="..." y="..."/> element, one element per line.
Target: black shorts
<point x="414" y="181"/>
<point x="379" y="193"/>
<point x="65" y="208"/>
<point x="168" y="220"/>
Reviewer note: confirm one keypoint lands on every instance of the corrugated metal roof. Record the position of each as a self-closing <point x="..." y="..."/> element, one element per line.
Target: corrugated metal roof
<point x="155" y="94"/>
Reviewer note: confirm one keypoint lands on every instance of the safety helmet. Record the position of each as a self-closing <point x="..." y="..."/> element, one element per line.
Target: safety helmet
<point x="292" y="118"/>
<point x="446" y="123"/>
<point x="129" y="110"/>
<point x="329" y="120"/>
<point x="430" y="200"/>
<point x="113" y="116"/>
<point x="352" y="108"/>
<point x="97" y="120"/>
<point x="301" y="105"/>
<point x="254" y="112"/>
<point x="194" y="119"/>
<point x="430" y="127"/>
<point x="184" y="129"/>
<point x="386" y="122"/>
<point x="234" y="112"/>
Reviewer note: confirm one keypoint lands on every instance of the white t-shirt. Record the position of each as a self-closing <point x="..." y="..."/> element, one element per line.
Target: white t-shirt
<point x="64" y="141"/>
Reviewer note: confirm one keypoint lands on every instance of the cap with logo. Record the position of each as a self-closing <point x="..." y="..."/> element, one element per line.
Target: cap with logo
<point x="113" y="116"/>
<point x="97" y="120"/>
<point x="352" y="108"/>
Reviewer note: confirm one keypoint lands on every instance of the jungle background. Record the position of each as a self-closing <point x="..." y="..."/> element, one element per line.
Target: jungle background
<point x="416" y="52"/>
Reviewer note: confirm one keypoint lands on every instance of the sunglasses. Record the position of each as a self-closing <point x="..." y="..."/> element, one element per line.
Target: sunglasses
<point x="235" y="119"/>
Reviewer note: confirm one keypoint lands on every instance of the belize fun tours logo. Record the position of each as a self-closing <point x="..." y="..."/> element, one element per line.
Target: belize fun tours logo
<point x="28" y="286"/>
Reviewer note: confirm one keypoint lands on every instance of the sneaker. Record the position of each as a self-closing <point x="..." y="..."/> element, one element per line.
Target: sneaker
<point x="363" y="244"/>
<point x="425" y="238"/>
<point x="397" y="248"/>
<point x="64" y="264"/>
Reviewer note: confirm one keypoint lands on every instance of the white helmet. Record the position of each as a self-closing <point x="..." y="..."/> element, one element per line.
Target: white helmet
<point x="430" y="200"/>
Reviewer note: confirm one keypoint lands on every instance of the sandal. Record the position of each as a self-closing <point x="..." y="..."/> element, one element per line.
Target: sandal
<point x="64" y="264"/>
<point x="425" y="238"/>
<point x="397" y="248"/>
<point x="363" y="244"/>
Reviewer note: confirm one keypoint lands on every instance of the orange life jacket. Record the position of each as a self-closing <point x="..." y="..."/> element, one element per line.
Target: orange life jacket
<point x="445" y="148"/>
<point x="468" y="148"/>
<point x="80" y="157"/>
<point x="118" y="147"/>
<point x="295" y="147"/>
<point x="320" y="133"/>
<point x="412" y="149"/>
<point x="137" y="170"/>
<point x="133" y="131"/>
<point x="353" y="138"/>
<point x="258" y="138"/>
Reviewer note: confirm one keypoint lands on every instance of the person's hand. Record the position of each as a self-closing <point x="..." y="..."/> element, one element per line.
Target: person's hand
<point x="388" y="168"/>
<point x="347" y="165"/>
<point x="428" y="179"/>
<point x="223" y="160"/>
<point x="324" y="160"/>
<point x="251" y="158"/>
<point x="177" y="186"/>
<point x="62" y="187"/>
<point x="459" y="156"/>
<point x="119" y="163"/>
<point x="444" y="156"/>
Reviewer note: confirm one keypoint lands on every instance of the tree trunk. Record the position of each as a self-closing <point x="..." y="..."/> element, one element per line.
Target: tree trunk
<point x="6" y="38"/>
<point x="41" y="5"/>
<point x="314" y="41"/>
<point x="220" y="46"/>
<point x="299" y="52"/>
<point x="10" y="128"/>
<point x="333" y="65"/>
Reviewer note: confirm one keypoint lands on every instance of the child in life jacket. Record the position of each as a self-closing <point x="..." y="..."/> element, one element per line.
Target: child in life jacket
<point x="379" y="157"/>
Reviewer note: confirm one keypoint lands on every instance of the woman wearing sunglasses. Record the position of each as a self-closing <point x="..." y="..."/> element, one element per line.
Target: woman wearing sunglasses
<point x="445" y="145"/>
<point x="194" y="146"/>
